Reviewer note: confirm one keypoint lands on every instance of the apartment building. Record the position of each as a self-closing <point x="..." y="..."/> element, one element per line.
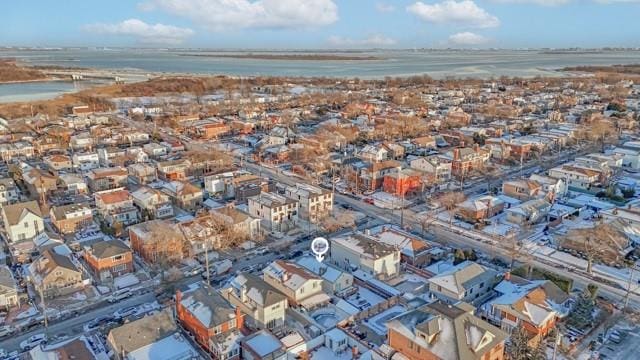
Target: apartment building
<point x="68" y="219"/>
<point x="264" y="304"/>
<point x="314" y="203"/>
<point x="362" y="252"/>
<point x="277" y="212"/>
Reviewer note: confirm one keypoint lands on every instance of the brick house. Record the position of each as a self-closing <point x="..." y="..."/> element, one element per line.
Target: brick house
<point x="522" y="189"/>
<point x="465" y="160"/>
<point x="480" y="208"/>
<point x="107" y="178"/>
<point x="108" y="259"/>
<point x="534" y="305"/>
<point x="157" y="241"/>
<point x="70" y="218"/>
<point x="173" y="169"/>
<point x="441" y="331"/>
<point x="402" y="182"/>
<point x="206" y="315"/>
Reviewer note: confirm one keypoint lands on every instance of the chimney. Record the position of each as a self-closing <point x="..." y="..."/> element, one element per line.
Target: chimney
<point x="239" y="318"/>
<point x="456" y="154"/>
<point x="507" y="275"/>
<point x="476" y="148"/>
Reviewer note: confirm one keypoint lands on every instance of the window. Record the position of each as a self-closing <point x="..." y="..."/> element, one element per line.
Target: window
<point x="26" y="225"/>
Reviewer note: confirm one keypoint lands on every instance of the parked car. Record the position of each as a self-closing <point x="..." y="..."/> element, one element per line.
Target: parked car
<point x="119" y="295"/>
<point x="6" y="330"/>
<point x="33" y="341"/>
<point x="124" y="312"/>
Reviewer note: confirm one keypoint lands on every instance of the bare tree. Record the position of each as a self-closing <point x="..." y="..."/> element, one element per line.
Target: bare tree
<point x="450" y="201"/>
<point x="596" y="243"/>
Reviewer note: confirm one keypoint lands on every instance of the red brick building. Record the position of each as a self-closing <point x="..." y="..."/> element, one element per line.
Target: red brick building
<point x="465" y="160"/>
<point x="441" y="331"/>
<point x="109" y="259"/>
<point x="204" y="313"/>
<point x="402" y="182"/>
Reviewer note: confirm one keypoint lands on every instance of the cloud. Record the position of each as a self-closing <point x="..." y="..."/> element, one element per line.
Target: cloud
<point x="467" y="39"/>
<point x="385" y="8"/>
<point x="535" y="2"/>
<point x="143" y="32"/>
<point x="220" y="15"/>
<point x="464" y="13"/>
<point x="376" y="40"/>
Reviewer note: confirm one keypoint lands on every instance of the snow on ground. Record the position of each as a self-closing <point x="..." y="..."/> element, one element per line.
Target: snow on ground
<point x="103" y="289"/>
<point x="125" y="281"/>
<point x="324" y="353"/>
<point x="31" y="311"/>
<point x="79" y="296"/>
<point x="378" y="323"/>
<point x="364" y="299"/>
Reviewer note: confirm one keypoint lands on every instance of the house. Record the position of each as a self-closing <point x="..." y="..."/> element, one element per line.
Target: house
<point x="107" y="178"/>
<point x="173" y="169"/>
<point x="184" y="195"/>
<point x="213" y="322"/>
<point x="277" y="212"/>
<point x="529" y="212"/>
<point x="39" y="183"/>
<point x="53" y="275"/>
<point x="314" y="203"/>
<point x="8" y="289"/>
<point x="394" y="151"/>
<point x="9" y="192"/>
<point x="467" y="281"/>
<point x="263" y="345"/>
<point x="68" y="219"/>
<point x="157" y="241"/>
<point x="522" y="189"/>
<point x="373" y="153"/>
<point x="142" y="173"/>
<point x="154" y="337"/>
<point x="575" y="176"/>
<point x="371" y="177"/>
<point x="116" y="206"/>
<point x="153" y="204"/>
<point x="85" y="161"/>
<point x="108" y="259"/>
<point x="442" y="331"/>
<point x="334" y="280"/>
<point x="72" y="184"/>
<point x="466" y="160"/>
<point x="22" y="221"/>
<point x="239" y="221"/>
<point x="532" y="305"/>
<point x="551" y="188"/>
<point x="16" y="150"/>
<point x="203" y="233"/>
<point x="362" y="252"/>
<point x="436" y="168"/>
<point x="264" y="304"/>
<point x="424" y="142"/>
<point x="298" y="284"/>
<point x="402" y="182"/>
<point x="81" y="141"/>
<point x="111" y="156"/>
<point x="413" y="250"/>
<point x="58" y="162"/>
<point x="81" y="347"/>
<point x="478" y="209"/>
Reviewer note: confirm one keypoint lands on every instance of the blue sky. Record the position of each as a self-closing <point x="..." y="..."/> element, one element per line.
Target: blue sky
<point x="321" y="23"/>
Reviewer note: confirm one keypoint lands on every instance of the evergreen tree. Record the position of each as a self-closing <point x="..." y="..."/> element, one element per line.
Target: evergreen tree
<point x="518" y="346"/>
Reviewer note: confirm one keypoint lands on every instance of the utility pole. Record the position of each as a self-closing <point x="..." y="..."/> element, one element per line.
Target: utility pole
<point x="628" y="294"/>
<point x="44" y="309"/>
<point x="555" y="344"/>
<point x="206" y="261"/>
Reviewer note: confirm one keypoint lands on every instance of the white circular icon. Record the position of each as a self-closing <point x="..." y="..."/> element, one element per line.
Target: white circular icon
<point x="319" y="247"/>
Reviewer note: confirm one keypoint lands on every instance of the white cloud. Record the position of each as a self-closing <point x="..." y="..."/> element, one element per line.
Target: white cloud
<point x="220" y="15"/>
<point x="467" y="39"/>
<point x="143" y="32"/>
<point x="536" y="2"/>
<point x="465" y="13"/>
<point x="384" y="7"/>
<point x="371" y="41"/>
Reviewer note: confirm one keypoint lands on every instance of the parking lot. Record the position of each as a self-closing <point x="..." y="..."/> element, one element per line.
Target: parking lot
<point x="622" y="342"/>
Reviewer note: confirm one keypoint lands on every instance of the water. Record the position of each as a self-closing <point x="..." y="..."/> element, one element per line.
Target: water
<point x="435" y="63"/>
<point x="39" y="90"/>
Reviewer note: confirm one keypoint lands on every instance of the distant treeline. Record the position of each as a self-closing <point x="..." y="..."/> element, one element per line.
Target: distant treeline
<point x="307" y="57"/>
<point x="621" y="69"/>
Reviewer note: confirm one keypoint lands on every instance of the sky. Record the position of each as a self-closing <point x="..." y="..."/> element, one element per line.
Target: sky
<point x="320" y="24"/>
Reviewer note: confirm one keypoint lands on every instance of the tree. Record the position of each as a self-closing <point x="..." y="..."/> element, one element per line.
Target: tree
<point x="458" y="256"/>
<point x="593" y="290"/>
<point x="518" y="347"/>
<point x="594" y="243"/>
<point x="581" y="317"/>
<point x="450" y="201"/>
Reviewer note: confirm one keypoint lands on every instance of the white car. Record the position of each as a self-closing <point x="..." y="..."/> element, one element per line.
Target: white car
<point x="123" y="313"/>
<point x="33" y="341"/>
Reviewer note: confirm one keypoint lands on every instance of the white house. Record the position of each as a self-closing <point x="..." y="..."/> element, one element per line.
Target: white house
<point x="22" y="221"/>
<point x="362" y="252"/>
<point x="278" y="213"/>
